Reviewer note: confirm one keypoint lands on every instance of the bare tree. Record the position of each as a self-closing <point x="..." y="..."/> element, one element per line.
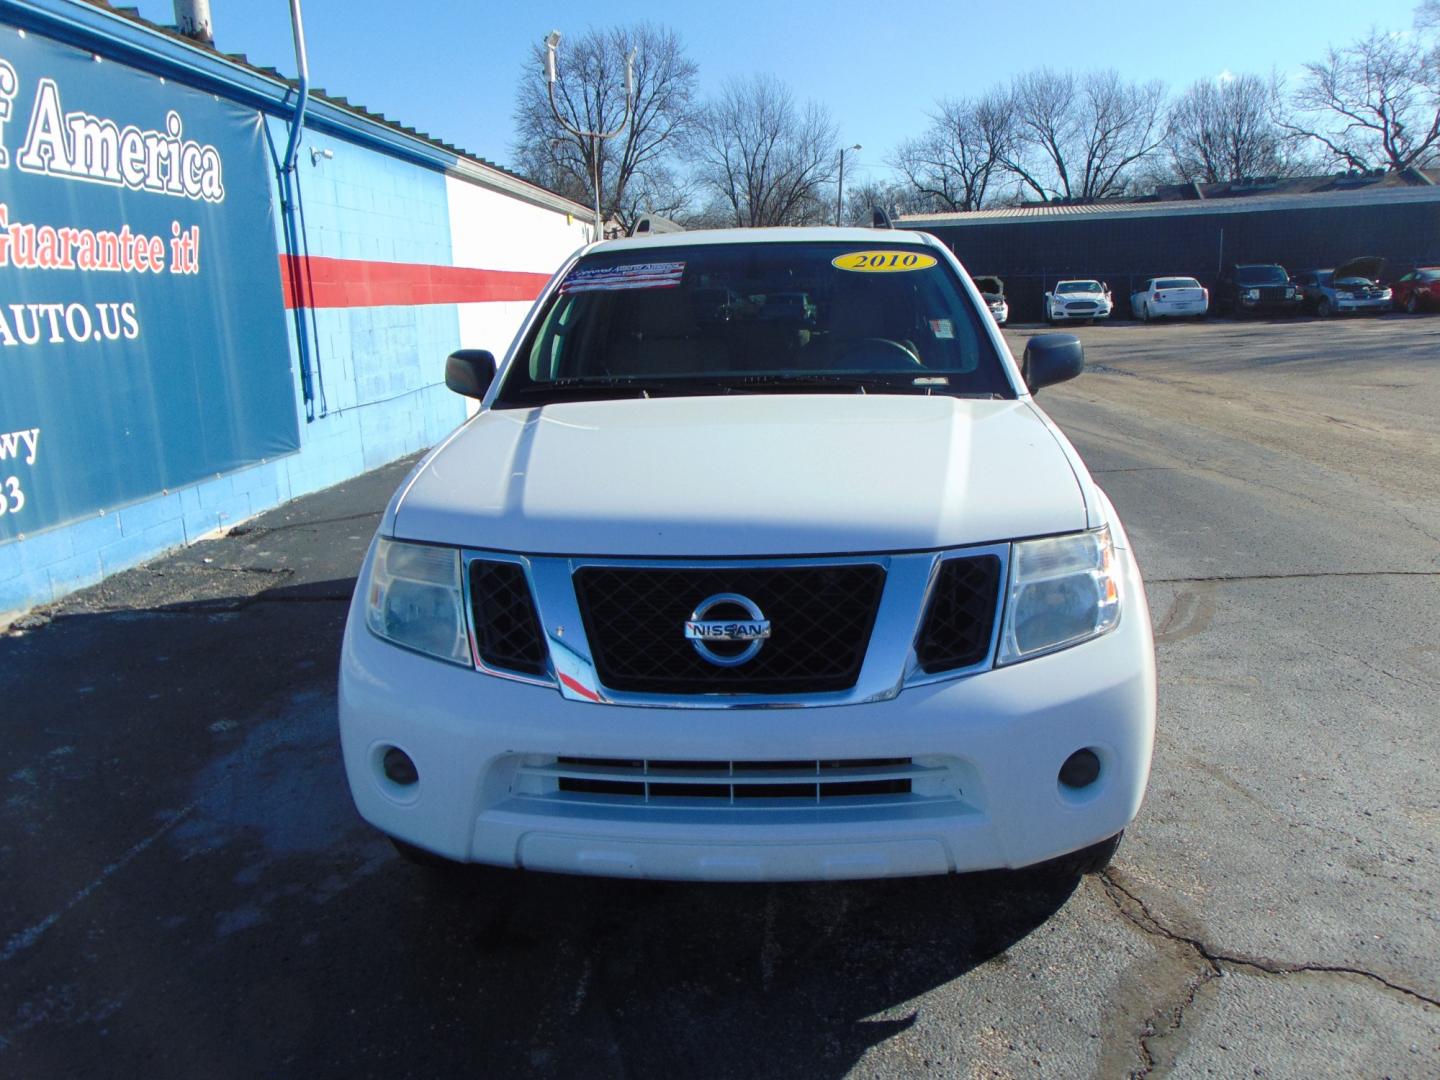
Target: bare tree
<point x="1427" y="17"/>
<point x="892" y="196"/>
<point x="1373" y="104"/>
<point x="1079" y="138"/>
<point x="763" y="156"/>
<point x="1046" y="128"/>
<point x="1221" y="131"/>
<point x="662" y="190"/>
<point x="953" y="163"/>
<point x="590" y="94"/>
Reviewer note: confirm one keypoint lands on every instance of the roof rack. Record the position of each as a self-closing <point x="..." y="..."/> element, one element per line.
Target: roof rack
<point x="654" y="223"/>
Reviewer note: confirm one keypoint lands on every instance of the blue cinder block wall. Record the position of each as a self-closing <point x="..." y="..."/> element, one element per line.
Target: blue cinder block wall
<point x="377" y="370"/>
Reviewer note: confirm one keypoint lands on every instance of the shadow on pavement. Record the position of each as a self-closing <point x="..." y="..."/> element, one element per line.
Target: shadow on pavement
<point x="191" y="891"/>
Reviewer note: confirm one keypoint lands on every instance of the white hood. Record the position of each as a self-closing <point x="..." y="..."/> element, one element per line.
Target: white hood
<point x="745" y="475"/>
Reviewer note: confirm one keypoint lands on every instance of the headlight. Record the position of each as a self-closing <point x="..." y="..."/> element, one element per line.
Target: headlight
<point x="1386" y="294"/>
<point x="414" y="599"/>
<point x="1063" y="590"/>
<point x="1251" y="294"/>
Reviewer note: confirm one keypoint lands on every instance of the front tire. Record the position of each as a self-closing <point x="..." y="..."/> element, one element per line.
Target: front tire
<point x="1090" y="860"/>
<point x="1144" y="312"/>
<point x="1323" y="308"/>
<point x="1412" y="305"/>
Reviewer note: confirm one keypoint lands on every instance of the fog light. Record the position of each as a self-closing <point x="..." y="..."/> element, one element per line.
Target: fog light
<point x="399" y="769"/>
<point x="1081" y="769"/>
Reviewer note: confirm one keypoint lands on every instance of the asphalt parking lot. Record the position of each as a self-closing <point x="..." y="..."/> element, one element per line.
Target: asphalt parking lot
<point x="189" y="892"/>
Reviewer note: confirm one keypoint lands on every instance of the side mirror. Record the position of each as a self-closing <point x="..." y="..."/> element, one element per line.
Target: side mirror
<point x="1052" y="358"/>
<point x="470" y="372"/>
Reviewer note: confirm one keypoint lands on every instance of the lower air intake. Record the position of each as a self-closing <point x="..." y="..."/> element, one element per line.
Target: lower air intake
<point x="731" y="783"/>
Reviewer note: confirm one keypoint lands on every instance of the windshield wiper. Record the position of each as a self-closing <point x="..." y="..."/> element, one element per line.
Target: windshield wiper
<point x="860" y="382"/>
<point x="601" y="387"/>
<point x="609" y="386"/>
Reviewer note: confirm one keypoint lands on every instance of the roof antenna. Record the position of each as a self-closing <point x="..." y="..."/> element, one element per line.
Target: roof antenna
<point x="879" y="219"/>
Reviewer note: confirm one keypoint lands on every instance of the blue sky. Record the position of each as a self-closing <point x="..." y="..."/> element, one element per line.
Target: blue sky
<point x="450" y="68"/>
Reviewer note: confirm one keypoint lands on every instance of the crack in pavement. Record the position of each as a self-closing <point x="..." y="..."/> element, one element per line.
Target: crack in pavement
<point x="1152" y="925"/>
<point x="1215" y="964"/>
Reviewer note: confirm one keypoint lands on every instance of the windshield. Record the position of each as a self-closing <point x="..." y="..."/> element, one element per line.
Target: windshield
<point x="755" y="317"/>
<point x="1261" y="275"/>
<point x="1078" y="286"/>
<point x="1177" y="283"/>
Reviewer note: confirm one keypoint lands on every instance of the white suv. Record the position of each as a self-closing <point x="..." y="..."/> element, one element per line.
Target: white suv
<point x="758" y="562"/>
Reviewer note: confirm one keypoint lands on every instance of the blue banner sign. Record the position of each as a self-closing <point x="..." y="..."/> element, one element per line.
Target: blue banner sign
<point x="142" y="334"/>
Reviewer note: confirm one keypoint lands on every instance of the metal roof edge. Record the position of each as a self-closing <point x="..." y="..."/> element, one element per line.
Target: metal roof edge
<point x="138" y="44"/>
<point x="1241" y="205"/>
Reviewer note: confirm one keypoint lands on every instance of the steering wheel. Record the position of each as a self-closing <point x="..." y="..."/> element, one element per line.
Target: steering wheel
<point x="883" y="354"/>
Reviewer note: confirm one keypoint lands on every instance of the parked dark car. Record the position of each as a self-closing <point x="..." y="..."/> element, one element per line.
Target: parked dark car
<point x="1417" y="291"/>
<point x="1253" y="288"/>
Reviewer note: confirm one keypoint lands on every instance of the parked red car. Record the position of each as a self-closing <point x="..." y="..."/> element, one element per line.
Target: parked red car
<point x="1419" y="290"/>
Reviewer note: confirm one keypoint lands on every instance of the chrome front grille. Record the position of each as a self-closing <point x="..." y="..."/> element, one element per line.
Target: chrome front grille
<point x="822" y="615"/>
<point x="960" y="620"/>
<point x="839" y="629"/>
<point x="745" y="784"/>
<point x="507" y="632"/>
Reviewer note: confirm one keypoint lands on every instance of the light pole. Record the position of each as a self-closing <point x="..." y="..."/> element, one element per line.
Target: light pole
<point x="840" y="187"/>
<point x="552" y="40"/>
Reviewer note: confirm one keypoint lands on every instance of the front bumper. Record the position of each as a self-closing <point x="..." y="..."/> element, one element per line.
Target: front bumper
<point x="1002" y="736"/>
<point x="1058" y="315"/>
<point x="1373" y="304"/>
<point x="1288" y="306"/>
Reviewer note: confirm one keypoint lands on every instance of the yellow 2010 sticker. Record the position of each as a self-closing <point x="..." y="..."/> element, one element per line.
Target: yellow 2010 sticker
<point x="883" y="262"/>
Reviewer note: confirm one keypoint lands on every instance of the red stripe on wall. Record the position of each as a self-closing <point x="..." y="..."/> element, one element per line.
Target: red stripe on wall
<point x="341" y="283"/>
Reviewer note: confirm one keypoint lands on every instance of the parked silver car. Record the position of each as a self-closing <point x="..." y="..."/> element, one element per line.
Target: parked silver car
<point x="1350" y="287"/>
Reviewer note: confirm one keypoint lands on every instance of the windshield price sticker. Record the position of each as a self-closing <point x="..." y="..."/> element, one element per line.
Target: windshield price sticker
<point x="655" y="275"/>
<point x="883" y="262"/>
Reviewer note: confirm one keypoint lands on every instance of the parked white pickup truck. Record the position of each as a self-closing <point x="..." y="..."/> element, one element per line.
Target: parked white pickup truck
<point x="759" y="561"/>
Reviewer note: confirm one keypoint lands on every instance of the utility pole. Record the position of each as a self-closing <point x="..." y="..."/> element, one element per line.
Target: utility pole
<point x="840" y="187"/>
<point x="552" y="40"/>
